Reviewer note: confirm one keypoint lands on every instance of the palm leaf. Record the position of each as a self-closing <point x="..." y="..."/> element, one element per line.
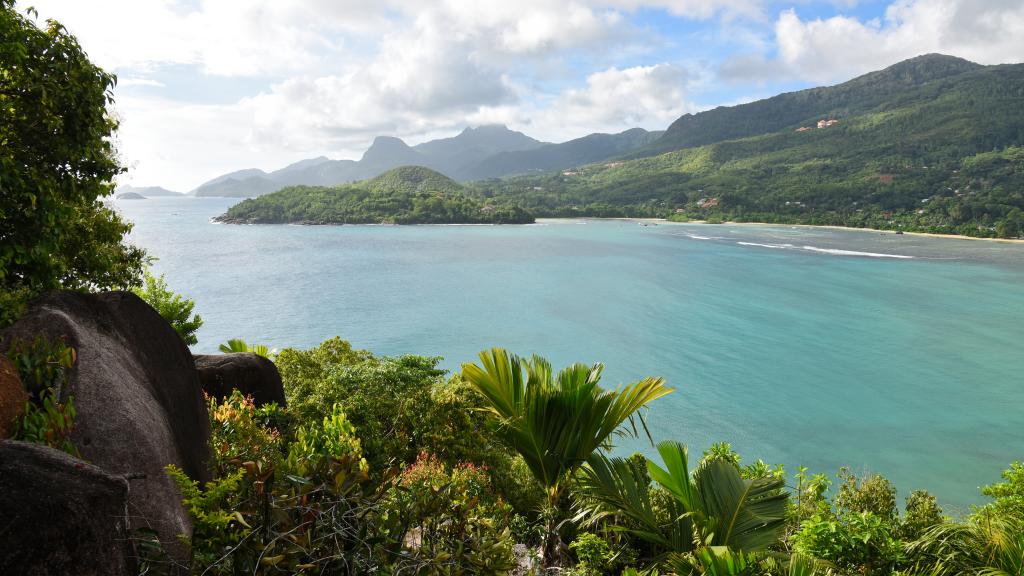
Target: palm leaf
<point x="555" y="421"/>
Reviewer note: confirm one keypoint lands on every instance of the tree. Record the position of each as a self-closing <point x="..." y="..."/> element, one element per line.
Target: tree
<point x="713" y="507"/>
<point x="555" y="421"/>
<point x="57" y="162"/>
<point x="174" y="308"/>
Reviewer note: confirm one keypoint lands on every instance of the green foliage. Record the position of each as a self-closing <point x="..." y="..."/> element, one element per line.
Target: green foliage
<point x="236" y="345"/>
<point x="406" y="195"/>
<point x="57" y="162"/>
<point x="723" y="452"/>
<point x="712" y="561"/>
<point x="921" y="512"/>
<point x="860" y="530"/>
<point x="269" y="513"/>
<point x="48" y="421"/>
<point x="43" y="366"/>
<point x="455" y="428"/>
<point x="713" y="507"/>
<point x="453" y="519"/>
<point x="387" y="399"/>
<point x="1008" y="495"/>
<point x="316" y="447"/>
<point x="555" y="422"/>
<point x="986" y="545"/>
<point x="240" y="432"/>
<point x="593" y="553"/>
<point x="873" y="494"/>
<point x="174" y="308"/>
<point x="858" y="541"/>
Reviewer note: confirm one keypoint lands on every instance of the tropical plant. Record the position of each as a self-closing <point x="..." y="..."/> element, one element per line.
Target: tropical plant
<point x="556" y="421"/>
<point x="279" y="506"/>
<point x="714" y="506"/>
<point x="58" y="162"/>
<point x="174" y="308"/>
<point x="388" y="400"/>
<point x="237" y="345"/>
<point x="985" y="545"/>
<point x="48" y="421"/>
<point x="450" y="519"/>
<point x="43" y="366"/>
<point x="855" y="541"/>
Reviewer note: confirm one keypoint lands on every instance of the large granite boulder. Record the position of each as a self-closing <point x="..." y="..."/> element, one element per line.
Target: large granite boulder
<point x="12" y="397"/>
<point x="250" y="374"/>
<point x="137" y="393"/>
<point x="60" y="515"/>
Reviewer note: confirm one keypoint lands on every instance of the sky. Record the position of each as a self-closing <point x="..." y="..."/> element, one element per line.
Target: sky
<point x="206" y="87"/>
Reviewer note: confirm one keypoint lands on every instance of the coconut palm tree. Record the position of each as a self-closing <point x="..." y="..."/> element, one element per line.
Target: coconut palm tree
<point x="556" y="421"/>
<point x="712" y="511"/>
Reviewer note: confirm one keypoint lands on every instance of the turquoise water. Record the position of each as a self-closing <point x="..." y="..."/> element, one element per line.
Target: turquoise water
<point x="777" y="339"/>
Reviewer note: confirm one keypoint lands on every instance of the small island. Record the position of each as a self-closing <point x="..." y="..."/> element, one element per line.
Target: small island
<point x="131" y="196"/>
<point x="404" y="195"/>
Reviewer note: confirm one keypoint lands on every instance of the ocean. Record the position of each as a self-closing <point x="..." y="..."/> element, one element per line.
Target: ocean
<point x="803" y="346"/>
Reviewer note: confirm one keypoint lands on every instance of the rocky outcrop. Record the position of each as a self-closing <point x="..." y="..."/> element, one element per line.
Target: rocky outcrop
<point x="12" y="397"/>
<point x="251" y="374"/>
<point x="137" y="393"/>
<point x="60" y="515"/>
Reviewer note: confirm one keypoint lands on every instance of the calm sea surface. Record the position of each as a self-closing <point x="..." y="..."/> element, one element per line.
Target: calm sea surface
<point x="895" y="354"/>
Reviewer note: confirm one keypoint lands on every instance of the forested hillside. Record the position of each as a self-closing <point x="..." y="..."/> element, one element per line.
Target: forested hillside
<point x="406" y="195"/>
<point x="931" y="144"/>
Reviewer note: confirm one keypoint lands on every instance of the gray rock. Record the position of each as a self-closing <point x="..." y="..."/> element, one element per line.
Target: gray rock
<point x="250" y="374"/>
<point x="60" y="515"/>
<point x="137" y="393"/>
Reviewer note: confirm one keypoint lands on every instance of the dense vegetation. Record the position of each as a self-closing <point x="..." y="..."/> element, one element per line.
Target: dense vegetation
<point x="405" y="195"/>
<point x="383" y="465"/>
<point x="933" y="144"/>
<point x="56" y="164"/>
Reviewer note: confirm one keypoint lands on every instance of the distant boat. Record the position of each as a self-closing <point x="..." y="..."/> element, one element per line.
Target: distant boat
<point x="899" y="232"/>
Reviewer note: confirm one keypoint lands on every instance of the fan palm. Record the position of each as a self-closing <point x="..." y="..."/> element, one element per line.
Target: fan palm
<point x="238" y="345"/>
<point x="555" y="421"/>
<point x="713" y="507"/>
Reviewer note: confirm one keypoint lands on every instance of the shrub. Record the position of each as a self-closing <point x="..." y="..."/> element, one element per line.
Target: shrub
<point x="43" y="366"/>
<point x="387" y="399"/>
<point x="860" y="542"/>
<point x="449" y="520"/>
<point x="174" y="308"/>
<point x="922" y="512"/>
<point x="270" y="513"/>
<point x="1008" y="495"/>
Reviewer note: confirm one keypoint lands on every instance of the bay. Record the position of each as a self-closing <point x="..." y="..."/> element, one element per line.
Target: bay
<point x="803" y="346"/>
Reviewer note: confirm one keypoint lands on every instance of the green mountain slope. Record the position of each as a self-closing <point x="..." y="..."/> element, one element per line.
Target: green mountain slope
<point x="793" y="109"/>
<point x="404" y="195"/>
<point x="939" y="151"/>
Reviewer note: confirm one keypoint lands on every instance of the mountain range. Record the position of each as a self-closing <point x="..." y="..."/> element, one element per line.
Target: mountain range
<point x="490" y="151"/>
<point x="934" y="144"/>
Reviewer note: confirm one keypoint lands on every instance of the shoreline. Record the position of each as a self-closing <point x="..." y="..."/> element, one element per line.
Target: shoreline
<point x="830" y="227"/>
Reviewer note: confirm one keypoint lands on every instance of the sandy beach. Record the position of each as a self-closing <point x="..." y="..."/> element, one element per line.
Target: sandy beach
<point x="812" y="226"/>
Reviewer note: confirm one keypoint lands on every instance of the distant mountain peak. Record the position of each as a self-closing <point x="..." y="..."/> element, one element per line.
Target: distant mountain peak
<point x="389" y="150"/>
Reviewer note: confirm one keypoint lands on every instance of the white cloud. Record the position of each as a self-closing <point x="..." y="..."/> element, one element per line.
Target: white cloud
<point x="836" y="48"/>
<point x="326" y="76"/>
<point x="651" y="96"/>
